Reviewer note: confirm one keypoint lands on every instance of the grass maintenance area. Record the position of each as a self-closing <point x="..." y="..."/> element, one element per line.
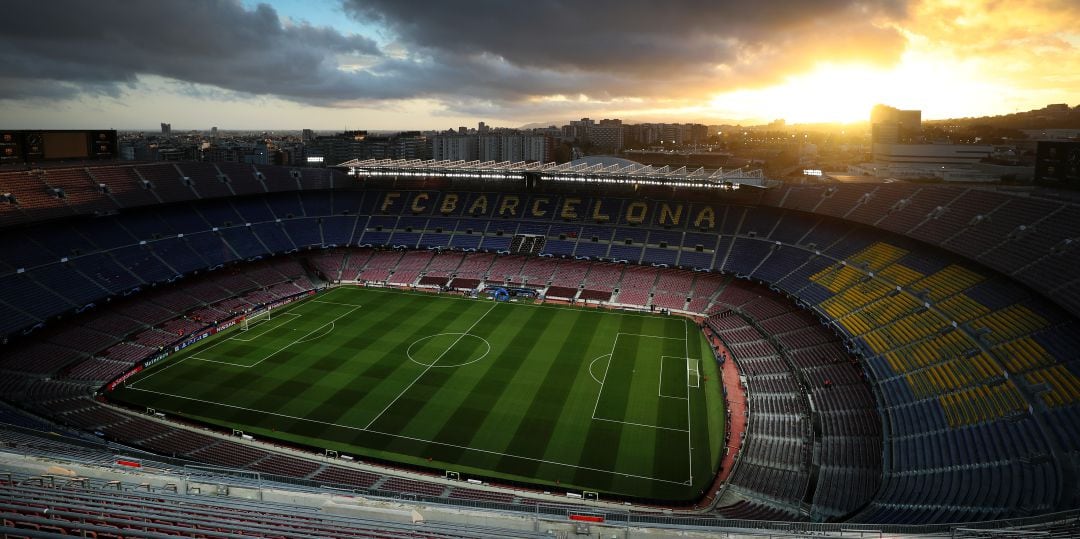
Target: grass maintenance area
<point x="587" y="399"/>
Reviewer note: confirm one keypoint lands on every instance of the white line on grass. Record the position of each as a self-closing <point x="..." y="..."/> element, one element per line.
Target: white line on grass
<point x="660" y="382"/>
<point x="309" y="420"/>
<point x="157" y="371"/>
<point x="659" y="389"/>
<point x="279" y="350"/>
<point x="433" y="363"/>
<point x="236" y="337"/>
<point x="639" y="424"/>
<point x="336" y="303"/>
<point x="204" y="348"/>
<point x="651" y="336"/>
<point x="301" y="339"/>
<point x="591" y="363"/>
<point x="689" y="439"/>
<point x="611" y="359"/>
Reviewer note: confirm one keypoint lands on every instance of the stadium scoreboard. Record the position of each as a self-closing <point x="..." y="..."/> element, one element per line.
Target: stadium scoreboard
<point x="42" y="146"/>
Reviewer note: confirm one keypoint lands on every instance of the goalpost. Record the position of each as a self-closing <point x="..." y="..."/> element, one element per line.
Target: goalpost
<point x="693" y="372"/>
<point x="254" y="318"/>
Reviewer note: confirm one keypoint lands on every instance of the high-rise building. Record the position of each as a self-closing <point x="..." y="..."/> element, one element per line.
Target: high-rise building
<point x="890" y="125"/>
<point x="502" y="145"/>
<point x="166" y="129"/>
<point x="213" y="133"/>
<point x="489" y="148"/>
<point x="607" y="134"/>
<point x="454" y="147"/>
<point x="579" y="129"/>
<point x="307" y="136"/>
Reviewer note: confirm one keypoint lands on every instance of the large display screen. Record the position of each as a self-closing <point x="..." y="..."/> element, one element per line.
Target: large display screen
<point x="65" y="145"/>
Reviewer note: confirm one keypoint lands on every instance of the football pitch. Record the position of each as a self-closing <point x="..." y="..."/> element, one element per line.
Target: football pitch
<point x="586" y="399"/>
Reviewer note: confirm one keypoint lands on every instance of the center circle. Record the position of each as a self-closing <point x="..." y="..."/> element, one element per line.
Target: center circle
<point x="435" y="350"/>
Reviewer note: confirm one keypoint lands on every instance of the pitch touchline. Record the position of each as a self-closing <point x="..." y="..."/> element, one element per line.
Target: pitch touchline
<point x="410" y="437"/>
<point x="433" y="363"/>
<point x="689" y="439"/>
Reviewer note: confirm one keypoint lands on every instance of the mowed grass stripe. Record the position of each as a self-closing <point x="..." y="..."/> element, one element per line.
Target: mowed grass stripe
<point x="377" y="352"/>
<point x="478" y="388"/>
<point x="547" y="411"/>
<point x="523" y="413"/>
<point x="637" y="400"/>
<point x="539" y="355"/>
<point x="459" y="349"/>
<point x="328" y="379"/>
<point x="247" y="386"/>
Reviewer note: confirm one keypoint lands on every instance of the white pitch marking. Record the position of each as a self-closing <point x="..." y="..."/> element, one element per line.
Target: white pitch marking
<point x="279" y="350"/>
<point x="467" y="448"/>
<point x="336" y="303"/>
<point x="611" y="358"/>
<point x="639" y="424"/>
<point x="659" y="393"/>
<point x="433" y="363"/>
<point x="651" y="336"/>
<point x="689" y="439"/>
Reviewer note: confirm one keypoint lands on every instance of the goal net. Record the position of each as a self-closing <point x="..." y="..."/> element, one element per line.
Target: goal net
<point x="254" y="318"/>
<point x="693" y="373"/>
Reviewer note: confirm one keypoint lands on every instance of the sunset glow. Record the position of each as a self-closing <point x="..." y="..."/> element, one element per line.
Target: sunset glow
<point x="381" y="64"/>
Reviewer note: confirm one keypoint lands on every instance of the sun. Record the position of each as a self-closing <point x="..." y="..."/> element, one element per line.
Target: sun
<point x="845" y="93"/>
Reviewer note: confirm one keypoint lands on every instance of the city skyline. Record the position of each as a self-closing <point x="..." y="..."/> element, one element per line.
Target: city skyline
<point x="375" y="64"/>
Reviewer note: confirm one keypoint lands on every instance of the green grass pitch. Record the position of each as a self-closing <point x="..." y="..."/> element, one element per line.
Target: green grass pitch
<point x="587" y="399"/>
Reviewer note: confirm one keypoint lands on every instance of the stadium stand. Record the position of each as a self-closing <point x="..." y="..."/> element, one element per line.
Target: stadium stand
<point x="957" y="304"/>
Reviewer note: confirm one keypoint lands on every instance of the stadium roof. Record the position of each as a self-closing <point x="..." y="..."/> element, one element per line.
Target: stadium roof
<point x="616" y="173"/>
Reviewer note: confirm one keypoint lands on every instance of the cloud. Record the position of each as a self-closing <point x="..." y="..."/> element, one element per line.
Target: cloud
<point x="638" y="47"/>
<point x="58" y="49"/>
<point x="469" y="55"/>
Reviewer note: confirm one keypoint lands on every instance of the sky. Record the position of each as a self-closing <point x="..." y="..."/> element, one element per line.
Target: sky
<point x="438" y="64"/>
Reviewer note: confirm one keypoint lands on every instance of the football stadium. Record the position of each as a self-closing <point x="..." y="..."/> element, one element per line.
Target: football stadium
<point x="448" y="348"/>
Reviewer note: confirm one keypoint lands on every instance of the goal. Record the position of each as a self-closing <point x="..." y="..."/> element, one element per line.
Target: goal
<point x="693" y="372"/>
<point x="254" y="318"/>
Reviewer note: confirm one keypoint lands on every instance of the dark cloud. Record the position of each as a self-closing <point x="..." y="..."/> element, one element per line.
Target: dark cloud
<point x="633" y="36"/>
<point x="468" y="55"/>
<point x="61" y="48"/>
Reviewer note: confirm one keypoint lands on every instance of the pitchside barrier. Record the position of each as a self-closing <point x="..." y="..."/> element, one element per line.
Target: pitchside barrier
<point x="196" y="336"/>
<point x="540" y="511"/>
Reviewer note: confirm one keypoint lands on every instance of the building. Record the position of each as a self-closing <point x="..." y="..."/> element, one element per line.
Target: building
<point x="489" y="147"/>
<point x="579" y="129"/>
<point x="1057" y="164"/>
<point x="306" y="136"/>
<point x="166" y="129"/>
<point x="948" y="162"/>
<point x="890" y="125"/>
<point x="607" y="134"/>
<point x="454" y="147"/>
<point x="931" y="154"/>
<point x="502" y="145"/>
<point x="538" y="148"/>
<point x="410" y="145"/>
